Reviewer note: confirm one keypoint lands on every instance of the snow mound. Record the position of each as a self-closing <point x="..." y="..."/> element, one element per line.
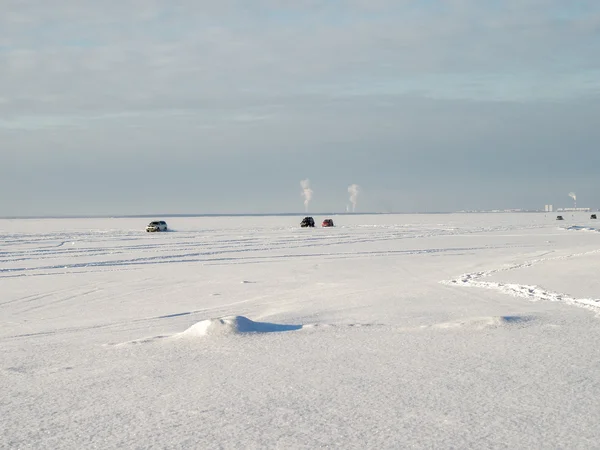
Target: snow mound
<point x="234" y="325"/>
<point x="481" y="323"/>
<point x="580" y="228"/>
<point x="346" y="325"/>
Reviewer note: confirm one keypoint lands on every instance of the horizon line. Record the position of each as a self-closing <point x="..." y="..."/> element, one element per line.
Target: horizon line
<point x="330" y="213"/>
<point x="147" y="215"/>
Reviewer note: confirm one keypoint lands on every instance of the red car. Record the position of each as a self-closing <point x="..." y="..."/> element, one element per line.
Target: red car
<point x="327" y="223"/>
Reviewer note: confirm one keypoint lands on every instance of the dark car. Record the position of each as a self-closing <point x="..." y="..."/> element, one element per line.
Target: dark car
<point x="327" y="223"/>
<point x="307" y="222"/>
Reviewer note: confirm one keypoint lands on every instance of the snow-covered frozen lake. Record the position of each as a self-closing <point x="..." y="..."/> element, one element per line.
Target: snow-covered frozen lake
<point x="386" y="331"/>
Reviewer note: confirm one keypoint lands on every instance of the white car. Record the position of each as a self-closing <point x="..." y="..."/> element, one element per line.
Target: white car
<point x="157" y="225"/>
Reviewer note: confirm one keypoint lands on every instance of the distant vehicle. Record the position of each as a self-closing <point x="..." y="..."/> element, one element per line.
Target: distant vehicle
<point x="593" y="216"/>
<point x="559" y="218"/>
<point x="327" y="223"/>
<point x="157" y="225"/>
<point x="307" y="222"/>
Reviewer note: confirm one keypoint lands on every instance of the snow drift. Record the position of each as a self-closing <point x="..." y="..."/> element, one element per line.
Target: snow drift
<point x="481" y="323"/>
<point x="581" y="228"/>
<point x="234" y="325"/>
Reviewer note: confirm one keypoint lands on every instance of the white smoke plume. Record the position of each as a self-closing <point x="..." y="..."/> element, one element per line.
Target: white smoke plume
<point x="574" y="197"/>
<point x="353" y="189"/>
<point x="307" y="192"/>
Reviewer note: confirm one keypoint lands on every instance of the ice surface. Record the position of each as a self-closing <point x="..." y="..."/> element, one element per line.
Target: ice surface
<point x="387" y="331"/>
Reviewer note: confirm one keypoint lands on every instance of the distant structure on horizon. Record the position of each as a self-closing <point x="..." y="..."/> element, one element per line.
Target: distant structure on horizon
<point x="548" y="208"/>
<point x="574" y="209"/>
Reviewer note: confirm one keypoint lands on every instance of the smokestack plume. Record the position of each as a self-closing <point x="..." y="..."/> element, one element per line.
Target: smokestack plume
<point x="353" y="190"/>
<point x="307" y="192"/>
<point x="574" y="197"/>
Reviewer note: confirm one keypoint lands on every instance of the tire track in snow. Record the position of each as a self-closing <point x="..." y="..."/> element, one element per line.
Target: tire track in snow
<point x="217" y="258"/>
<point x="118" y="250"/>
<point x="531" y="292"/>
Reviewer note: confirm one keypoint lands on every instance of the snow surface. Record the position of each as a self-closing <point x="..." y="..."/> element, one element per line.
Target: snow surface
<point x="387" y="331"/>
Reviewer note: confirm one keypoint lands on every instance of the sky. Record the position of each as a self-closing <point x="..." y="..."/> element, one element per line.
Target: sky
<point x="203" y="107"/>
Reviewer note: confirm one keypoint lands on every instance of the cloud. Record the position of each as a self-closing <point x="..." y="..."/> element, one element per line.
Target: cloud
<point x="117" y="56"/>
<point x="299" y="85"/>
